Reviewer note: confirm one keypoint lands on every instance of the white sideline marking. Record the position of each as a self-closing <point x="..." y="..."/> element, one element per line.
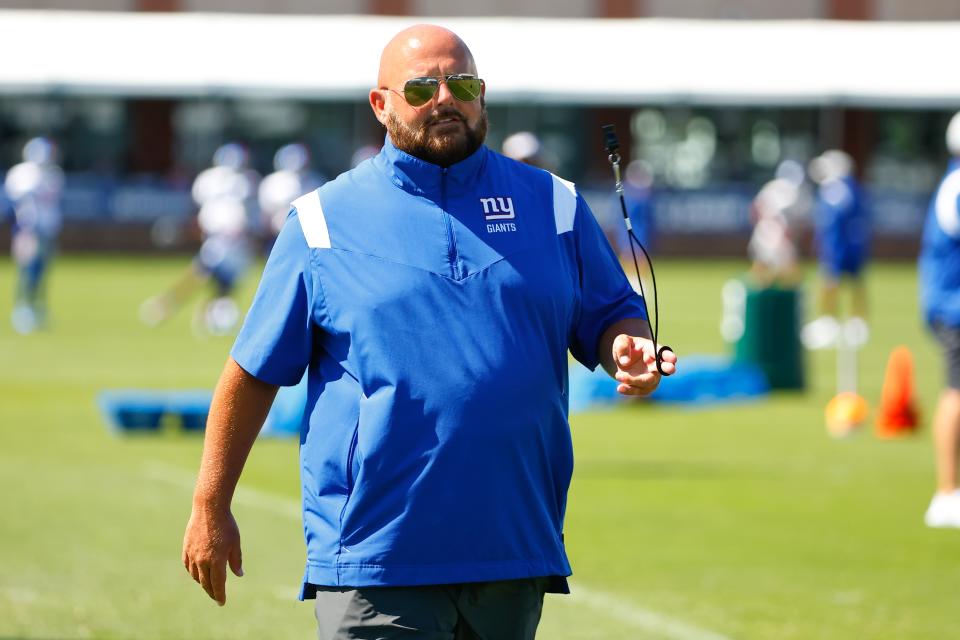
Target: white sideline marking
<point x="271" y="502"/>
<point x="20" y="595"/>
<point x="625" y="612"/>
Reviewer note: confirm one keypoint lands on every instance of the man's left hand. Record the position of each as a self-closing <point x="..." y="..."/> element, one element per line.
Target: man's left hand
<point x="636" y="362"/>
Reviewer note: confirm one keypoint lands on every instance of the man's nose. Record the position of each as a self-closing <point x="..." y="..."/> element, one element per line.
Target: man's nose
<point x="443" y="94"/>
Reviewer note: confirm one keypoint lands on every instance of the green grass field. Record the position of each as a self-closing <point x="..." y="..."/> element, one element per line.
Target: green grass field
<point x="739" y="521"/>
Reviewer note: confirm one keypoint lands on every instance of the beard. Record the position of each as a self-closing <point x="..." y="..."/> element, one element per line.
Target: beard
<point x="444" y="148"/>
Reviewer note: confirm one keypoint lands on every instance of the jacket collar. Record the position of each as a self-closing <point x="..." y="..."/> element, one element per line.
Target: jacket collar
<point x="420" y="177"/>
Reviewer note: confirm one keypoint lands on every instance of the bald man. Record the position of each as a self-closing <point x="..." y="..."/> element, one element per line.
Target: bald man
<point x="432" y="293"/>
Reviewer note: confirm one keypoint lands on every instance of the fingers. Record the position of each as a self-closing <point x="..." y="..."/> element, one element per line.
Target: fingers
<point x="627" y="350"/>
<point x="629" y="390"/>
<point x="218" y="582"/>
<point x="204" y="580"/>
<point x="637" y="365"/>
<point x="669" y="356"/>
<point x="638" y="385"/>
<point x="207" y="548"/>
<point x="236" y="561"/>
<point x="668" y="362"/>
<point x="668" y="367"/>
<point x="212" y="576"/>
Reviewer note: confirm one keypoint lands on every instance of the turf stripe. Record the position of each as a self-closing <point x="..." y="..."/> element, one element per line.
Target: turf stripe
<point x="243" y="496"/>
<point x="627" y="613"/>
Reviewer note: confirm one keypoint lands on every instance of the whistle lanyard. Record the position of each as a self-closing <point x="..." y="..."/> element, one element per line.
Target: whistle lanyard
<point x="613" y="151"/>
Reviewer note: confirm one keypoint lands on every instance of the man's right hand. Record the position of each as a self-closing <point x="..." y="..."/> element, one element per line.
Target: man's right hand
<point x="212" y="539"/>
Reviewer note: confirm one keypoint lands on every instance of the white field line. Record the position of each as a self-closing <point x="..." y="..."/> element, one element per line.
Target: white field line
<point x="623" y="611"/>
<point x="629" y="614"/>
<point x="254" y="498"/>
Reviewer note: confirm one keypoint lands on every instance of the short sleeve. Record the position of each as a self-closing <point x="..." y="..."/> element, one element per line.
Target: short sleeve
<point x="605" y="293"/>
<point x="276" y="339"/>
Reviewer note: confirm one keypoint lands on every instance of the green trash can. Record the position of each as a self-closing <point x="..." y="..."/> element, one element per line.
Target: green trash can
<point x="769" y="331"/>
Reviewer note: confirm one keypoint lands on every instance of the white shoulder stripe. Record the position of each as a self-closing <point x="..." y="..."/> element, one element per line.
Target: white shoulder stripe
<point x="947" y="203"/>
<point x="564" y="204"/>
<point x="312" y="221"/>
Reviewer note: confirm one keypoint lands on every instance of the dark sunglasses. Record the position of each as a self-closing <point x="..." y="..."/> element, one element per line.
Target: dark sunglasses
<point x="463" y="86"/>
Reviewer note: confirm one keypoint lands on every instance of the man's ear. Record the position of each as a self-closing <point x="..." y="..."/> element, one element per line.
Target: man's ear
<point x="378" y="102"/>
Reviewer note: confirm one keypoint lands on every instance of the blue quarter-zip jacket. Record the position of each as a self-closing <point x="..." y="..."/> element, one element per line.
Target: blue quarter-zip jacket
<point x="434" y="308"/>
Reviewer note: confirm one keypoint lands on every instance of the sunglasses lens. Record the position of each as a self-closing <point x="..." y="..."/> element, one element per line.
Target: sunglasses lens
<point x="464" y="89"/>
<point x="419" y="91"/>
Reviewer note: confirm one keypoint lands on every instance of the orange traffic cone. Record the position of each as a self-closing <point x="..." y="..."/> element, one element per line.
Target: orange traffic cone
<point x="897" y="415"/>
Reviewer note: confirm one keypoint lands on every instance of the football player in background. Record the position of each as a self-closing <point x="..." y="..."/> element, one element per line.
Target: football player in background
<point x="292" y="177"/>
<point x="842" y="239"/>
<point x="34" y="188"/>
<point x="224" y="193"/>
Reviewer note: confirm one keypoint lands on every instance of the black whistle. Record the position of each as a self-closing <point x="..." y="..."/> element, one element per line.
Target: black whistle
<point x="610" y="138"/>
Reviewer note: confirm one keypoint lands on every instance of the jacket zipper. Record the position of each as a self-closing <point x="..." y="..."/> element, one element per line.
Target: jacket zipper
<point x="452" y="254"/>
<point x="351" y="454"/>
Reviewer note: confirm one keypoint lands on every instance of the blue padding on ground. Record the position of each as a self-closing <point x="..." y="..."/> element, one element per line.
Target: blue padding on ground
<point x="144" y="410"/>
<point x="129" y="410"/>
<point x="286" y="415"/>
<point x="699" y="380"/>
<point x="591" y="389"/>
<point x="711" y="379"/>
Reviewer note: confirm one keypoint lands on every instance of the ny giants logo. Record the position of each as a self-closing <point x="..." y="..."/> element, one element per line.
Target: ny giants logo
<point x="498" y="209"/>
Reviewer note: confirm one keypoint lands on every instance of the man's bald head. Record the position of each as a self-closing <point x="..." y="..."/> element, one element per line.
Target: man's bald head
<point x="444" y="129"/>
<point x="420" y="46"/>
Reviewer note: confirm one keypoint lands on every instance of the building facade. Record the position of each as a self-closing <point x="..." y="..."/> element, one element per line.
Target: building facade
<point x="134" y="158"/>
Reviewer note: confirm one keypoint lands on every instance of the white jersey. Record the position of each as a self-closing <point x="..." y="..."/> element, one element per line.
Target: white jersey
<point x="771" y="243"/>
<point x="222" y="193"/>
<point x="35" y="191"/>
<point x="279" y="189"/>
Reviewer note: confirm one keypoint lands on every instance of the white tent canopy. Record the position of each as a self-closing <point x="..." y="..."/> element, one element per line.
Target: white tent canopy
<point x="616" y="62"/>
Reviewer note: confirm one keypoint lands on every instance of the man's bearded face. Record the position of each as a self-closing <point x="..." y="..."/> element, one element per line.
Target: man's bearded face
<point x="444" y="137"/>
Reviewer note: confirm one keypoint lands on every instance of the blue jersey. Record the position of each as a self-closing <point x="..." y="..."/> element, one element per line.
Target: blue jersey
<point x="842" y="227"/>
<point x="940" y="252"/>
<point x="433" y="308"/>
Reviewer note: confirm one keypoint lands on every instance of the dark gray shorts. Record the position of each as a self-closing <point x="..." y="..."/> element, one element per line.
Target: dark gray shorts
<point x="949" y="339"/>
<point x="505" y="610"/>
